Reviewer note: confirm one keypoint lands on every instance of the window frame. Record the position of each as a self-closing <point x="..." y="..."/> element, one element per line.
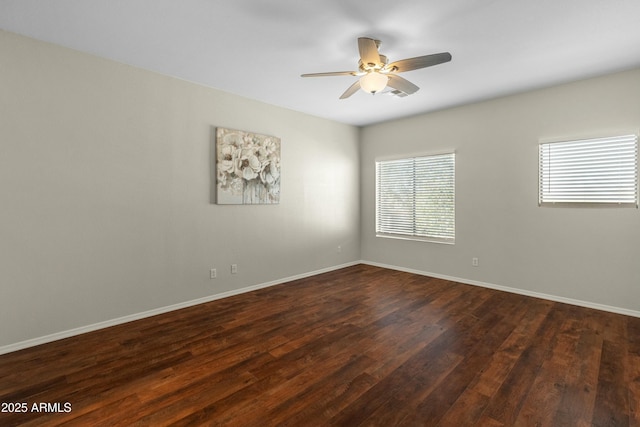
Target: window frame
<point x="380" y="232"/>
<point x="563" y="198"/>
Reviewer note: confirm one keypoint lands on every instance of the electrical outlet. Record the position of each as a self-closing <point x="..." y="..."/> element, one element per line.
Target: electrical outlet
<point x="475" y="262"/>
<point x="213" y="274"/>
<point x="339" y="249"/>
<point x="234" y="268"/>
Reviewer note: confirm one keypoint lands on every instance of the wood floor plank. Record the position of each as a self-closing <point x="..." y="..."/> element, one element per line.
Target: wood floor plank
<point x="477" y="345"/>
<point x="576" y="404"/>
<point x="507" y="402"/>
<point x="491" y="378"/>
<point x="551" y="382"/>
<point x="612" y="399"/>
<point x="359" y="346"/>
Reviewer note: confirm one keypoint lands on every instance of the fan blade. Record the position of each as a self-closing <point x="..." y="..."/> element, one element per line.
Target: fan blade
<point x="368" y="51"/>
<point x="419" y="62"/>
<point x="352" y="89"/>
<point x="334" y="73"/>
<point x="402" y="84"/>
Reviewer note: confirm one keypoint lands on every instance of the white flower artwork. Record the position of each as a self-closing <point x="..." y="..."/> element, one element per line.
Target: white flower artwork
<point x="247" y="168"/>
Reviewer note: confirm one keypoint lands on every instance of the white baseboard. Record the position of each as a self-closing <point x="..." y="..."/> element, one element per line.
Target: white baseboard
<point x="130" y="318"/>
<point x="161" y="310"/>
<point x="580" y="303"/>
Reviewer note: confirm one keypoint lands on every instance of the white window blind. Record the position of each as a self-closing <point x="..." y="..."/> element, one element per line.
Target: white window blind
<point x="415" y="198"/>
<point x="603" y="170"/>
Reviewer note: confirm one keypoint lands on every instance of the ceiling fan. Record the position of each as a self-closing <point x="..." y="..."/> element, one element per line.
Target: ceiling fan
<point x="376" y="73"/>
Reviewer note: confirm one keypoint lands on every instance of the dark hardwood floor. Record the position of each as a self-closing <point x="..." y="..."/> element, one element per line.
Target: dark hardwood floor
<point x="358" y="346"/>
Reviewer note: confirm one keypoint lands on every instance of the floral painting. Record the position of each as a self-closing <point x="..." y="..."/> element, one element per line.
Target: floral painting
<point x="247" y="168"/>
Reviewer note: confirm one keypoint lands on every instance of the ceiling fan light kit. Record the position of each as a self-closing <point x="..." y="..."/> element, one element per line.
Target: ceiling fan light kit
<point x="376" y="73"/>
<point x="373" y="82"/>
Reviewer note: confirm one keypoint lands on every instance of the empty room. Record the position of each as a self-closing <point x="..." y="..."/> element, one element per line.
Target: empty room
<point x="251" y="213"/>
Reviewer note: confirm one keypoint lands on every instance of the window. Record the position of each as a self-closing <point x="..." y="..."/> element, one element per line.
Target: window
<point x="593" y="171"/>
<point x="415" y="198"/>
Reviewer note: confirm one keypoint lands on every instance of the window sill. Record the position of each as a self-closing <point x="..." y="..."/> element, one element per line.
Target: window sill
<point x="586" y="205"/>
<point x="417" y="238"/>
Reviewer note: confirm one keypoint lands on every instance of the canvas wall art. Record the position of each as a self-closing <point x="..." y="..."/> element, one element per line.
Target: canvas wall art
<point x="247" y="168"/>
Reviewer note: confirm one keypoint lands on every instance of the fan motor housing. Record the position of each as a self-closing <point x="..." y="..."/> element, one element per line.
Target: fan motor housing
<point x="373" y="67"/>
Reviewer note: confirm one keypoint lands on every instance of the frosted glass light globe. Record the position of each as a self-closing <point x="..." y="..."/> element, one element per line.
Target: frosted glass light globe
<point x="373" y="82"/>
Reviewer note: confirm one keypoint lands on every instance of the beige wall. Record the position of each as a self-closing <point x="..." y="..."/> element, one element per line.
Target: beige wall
<point x="105" y="187"/>
<point x="584" y="254"/>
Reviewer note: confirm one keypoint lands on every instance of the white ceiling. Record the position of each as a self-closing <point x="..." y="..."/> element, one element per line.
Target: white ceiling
<point x="258" y="49"/>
